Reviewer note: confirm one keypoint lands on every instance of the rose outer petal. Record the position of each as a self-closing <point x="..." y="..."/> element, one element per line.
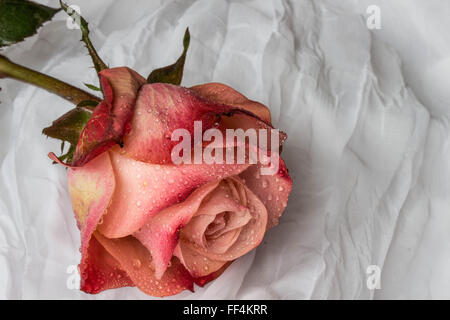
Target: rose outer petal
<point x="135" y="259"/>
<point x="101" y="271"/>
<point x="212" y="276"/>
<point x="91" y="188"/>
<point x="223" y="94"/>
<point x="273" y="190"/>
<point x="163" y="108"/>
<point x="111" y="118"/>
<point x="111" y="263"/>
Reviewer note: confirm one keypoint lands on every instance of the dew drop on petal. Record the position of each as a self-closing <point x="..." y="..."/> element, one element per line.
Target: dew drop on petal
<point x="136" y="264"/>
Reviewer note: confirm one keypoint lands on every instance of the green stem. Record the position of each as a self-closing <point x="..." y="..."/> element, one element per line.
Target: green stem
<point x="9" y="69"/>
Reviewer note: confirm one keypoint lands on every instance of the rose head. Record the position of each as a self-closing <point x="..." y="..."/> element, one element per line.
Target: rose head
<point x="149" y="223"/>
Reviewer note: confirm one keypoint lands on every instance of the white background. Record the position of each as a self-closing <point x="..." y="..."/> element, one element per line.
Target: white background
<point x="366" y="113"/>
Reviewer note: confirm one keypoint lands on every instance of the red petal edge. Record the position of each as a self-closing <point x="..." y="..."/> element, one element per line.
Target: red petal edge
<point x="110" y="120"/>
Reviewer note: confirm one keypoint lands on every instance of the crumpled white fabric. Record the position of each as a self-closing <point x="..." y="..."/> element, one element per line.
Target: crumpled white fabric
<point x="368" y="141"/>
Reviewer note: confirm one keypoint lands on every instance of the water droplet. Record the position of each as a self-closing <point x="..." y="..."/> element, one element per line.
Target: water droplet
<point x="280" y="188"/>
<point x="138" y="203"/>
<point x="264" y="184"/>
<point x="136" y="264"/>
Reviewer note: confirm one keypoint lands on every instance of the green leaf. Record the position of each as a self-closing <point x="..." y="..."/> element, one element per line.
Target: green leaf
<point x="173" y="73"/>
<point x="21" y="18"/>
<point x="92" y="87"/>
<point x="67" y="157"/>
<point x="98" y="63"/>
<point x="68" y="128"/>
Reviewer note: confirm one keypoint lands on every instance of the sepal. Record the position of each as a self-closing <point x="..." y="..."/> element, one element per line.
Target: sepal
<point x="174" y="73"/>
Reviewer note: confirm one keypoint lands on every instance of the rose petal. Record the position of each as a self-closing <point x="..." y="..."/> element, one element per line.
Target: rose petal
<point x="198" y="265"/>
<point x="273" y="190"/>
<point x="236" y="220"/>
<point x="212" y="276"/>
<point x="144" y="189"/>
<point x="223" y="94"/>
<point x="222" y="201"/>
<point x="219" y="200"/>
<point x="197" y="226"/>
<point x="160" y="233"/>
<point x="135" y="259"/>
<point x="249" y="236"/>
<point x="163" y="108"/>
<point x="216" y="225"/>
<point x="223" y="243"/>
<point x="110" y="119"/>
<point x="91" y="188"/>
<point x="100" y="271"/>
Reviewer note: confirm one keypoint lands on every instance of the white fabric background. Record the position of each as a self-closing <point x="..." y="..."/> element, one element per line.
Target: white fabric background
<point x="366" y="113"/>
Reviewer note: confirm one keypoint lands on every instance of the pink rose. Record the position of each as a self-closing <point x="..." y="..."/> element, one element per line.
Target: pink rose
<point x="149" y="223"/>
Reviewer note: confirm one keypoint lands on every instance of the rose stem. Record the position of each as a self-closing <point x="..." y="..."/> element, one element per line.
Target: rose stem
<point x="9" y="69"/>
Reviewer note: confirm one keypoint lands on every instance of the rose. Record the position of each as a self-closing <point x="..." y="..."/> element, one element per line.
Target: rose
<point x="147" y="222"/>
